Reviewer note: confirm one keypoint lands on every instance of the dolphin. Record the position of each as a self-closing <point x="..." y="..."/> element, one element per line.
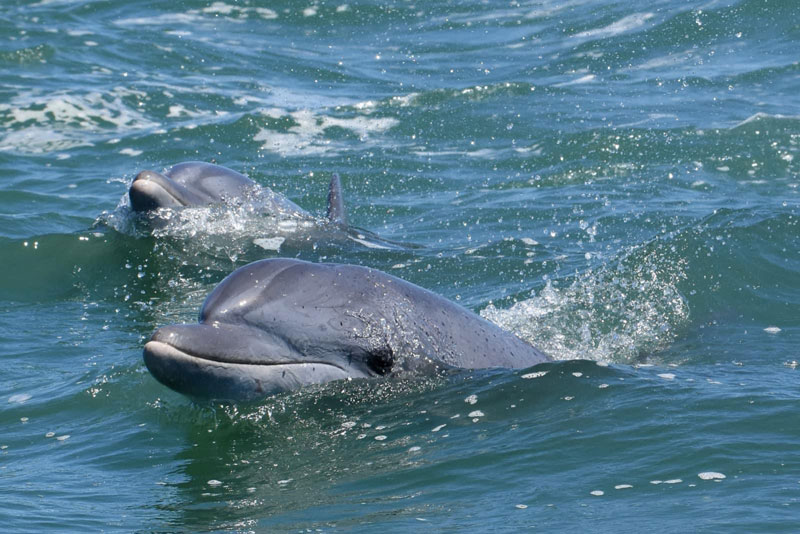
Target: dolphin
<point x="197" y="183"/>
<point x="280" y="324"/>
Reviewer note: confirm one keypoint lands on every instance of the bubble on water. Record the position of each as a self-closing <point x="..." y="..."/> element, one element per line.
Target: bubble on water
<point x="214" y="482"/>
<point x="476" y="413"/>
<point x="597" y="493"/>
<point x="472" y="399"/>
<point x="622" y="486"/>
<point x="667" y="376"/>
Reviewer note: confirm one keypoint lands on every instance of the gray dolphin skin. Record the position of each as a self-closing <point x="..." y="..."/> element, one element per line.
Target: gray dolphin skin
<point x="196" y="183"/>
<point x="280" y="324"/>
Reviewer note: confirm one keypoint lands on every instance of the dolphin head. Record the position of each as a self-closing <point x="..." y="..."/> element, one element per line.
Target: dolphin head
<point x="271" y="326"/>
<point x="186" y="184"/>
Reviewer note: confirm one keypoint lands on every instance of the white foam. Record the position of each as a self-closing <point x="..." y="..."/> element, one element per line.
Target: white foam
<point x="308" y="135"/>
<point x="266" y="13"/>
<point x="59" y="121"/>
<point x="472" y="399"/>
<point x="671" y="60"/>
<point x="269" y="243"/>
<point x="711" y="475"/>
<point x="537" y="374"/>
<point x="219" y="8"/>
<point x="19" y="398"/>
<point x="40" y="140"/>
<point x="772" y="330"/>
<point x="189" y="18"/>
<point x="578" y="81"/>
<point x="623" y="25"/>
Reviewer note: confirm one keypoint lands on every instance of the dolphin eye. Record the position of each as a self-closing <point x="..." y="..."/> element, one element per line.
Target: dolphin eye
<point x="381" y="360"/>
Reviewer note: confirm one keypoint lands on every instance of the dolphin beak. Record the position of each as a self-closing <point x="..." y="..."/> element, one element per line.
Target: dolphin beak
<point x="230" y="362"/>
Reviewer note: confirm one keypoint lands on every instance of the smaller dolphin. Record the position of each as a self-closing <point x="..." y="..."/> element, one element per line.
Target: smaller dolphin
<point x="199" y="184"/>
<point x="279" y="324"/>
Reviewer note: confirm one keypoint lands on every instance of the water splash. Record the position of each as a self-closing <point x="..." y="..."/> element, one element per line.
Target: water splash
<point x="616" y="313"/>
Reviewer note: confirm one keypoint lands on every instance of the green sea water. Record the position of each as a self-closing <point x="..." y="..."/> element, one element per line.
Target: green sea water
<point x="614" y="182"/>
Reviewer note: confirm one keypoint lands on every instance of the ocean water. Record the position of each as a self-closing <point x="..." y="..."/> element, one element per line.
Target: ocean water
<point x="616" y="182"/>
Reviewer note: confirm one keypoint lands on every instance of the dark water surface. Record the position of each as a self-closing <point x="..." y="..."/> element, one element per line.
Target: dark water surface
<point x="613" y="181"/>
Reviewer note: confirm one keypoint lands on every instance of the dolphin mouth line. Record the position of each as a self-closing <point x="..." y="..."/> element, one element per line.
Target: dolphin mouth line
<point x="160" y="349"/>
<point x="203" y="378"/>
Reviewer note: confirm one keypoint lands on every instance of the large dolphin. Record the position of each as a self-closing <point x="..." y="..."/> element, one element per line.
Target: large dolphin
<point x="196" y="183"/>
<point x="279" y="324"/>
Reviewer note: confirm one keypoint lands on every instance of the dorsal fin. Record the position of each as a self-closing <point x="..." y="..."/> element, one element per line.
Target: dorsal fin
<point x="336" y="213"/>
